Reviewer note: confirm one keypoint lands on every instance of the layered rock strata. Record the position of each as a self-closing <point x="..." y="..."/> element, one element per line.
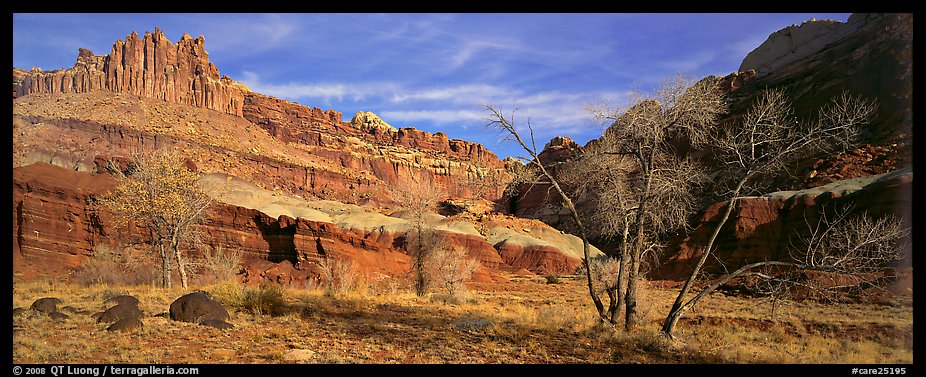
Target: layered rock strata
<point x="282" y="239"/>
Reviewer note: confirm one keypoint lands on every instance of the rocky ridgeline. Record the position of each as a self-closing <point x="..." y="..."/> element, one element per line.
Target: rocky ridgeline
<point x="291" y="122"/>
<point x="323" y="155"/>
<point x="149" y="66"/>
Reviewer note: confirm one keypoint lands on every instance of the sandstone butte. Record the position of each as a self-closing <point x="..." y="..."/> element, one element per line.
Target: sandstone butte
<point x="71" y="124"/>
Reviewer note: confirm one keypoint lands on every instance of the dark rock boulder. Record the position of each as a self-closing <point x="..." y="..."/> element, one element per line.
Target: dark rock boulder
<point x="126" y="325"/>
<point x="196" y="307"/>
<point x="58" y="316"/>
<point x="119" y="312"/>
<point x="46" y="305"/>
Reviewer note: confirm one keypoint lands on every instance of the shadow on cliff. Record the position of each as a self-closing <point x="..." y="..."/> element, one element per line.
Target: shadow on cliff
<point x="280" y="239"/>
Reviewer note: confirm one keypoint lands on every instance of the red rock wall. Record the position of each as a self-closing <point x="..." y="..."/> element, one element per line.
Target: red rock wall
<point x="56" y="228"/>
<point x="149" y="66"/>
<point x="293" y="122"/>
<point x="761" y="228"/>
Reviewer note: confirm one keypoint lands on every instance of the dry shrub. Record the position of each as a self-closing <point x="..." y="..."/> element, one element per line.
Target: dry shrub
<point x="648" y="309"/>
<point x="229" y="293"/>
<point x="340" y="276"/>
<point x="605" y="271"/>
<point x="217" y="265"/>
<point x="124" y="267"/>
<point x="448" y="267"/>
<point x="268" y="298"/>
<point x="458" y="298"/>
<point x="559" y="317"/>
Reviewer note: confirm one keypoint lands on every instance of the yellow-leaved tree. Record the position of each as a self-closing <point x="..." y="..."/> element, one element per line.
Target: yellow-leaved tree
<point x="158" y="191"/>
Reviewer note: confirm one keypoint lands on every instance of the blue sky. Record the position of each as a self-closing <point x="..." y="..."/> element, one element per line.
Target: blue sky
<point x="435" y="72"/>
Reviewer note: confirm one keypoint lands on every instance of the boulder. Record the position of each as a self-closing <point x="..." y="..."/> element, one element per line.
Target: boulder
<point x="58" y="316"/>
<point x="299" y="355"/>
<point x="46" y="305"/>
<point x="119" y="312"/>
<point x="197" y="307"/>
<point x="126" y="325"/>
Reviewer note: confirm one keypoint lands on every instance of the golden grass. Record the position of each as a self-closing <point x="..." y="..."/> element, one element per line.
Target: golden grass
<point x="524" y="321"/>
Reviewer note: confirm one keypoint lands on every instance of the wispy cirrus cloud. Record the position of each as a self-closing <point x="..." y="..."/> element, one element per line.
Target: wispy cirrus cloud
<point x="441" y="117"/>
<point x="449" y="108"/>
<point x="247" y="34"/>
<point x="471" y="49"/>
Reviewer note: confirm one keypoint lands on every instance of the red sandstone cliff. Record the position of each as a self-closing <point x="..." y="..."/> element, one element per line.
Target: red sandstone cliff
<point x="56" y="228"/>
<point x="149" y="66"/>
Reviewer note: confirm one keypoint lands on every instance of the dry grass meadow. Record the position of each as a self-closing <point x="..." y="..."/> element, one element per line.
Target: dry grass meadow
<point x="523" y="321"/>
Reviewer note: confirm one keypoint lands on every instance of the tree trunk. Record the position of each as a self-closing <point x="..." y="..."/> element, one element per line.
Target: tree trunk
<point x="582" y="233"/>
<point x="419" y="260"/>
<point x="166" y="268"/>
<point x="636" y="255"/>
<point x="677" y="308"/>
<point x="622" y="275"/>
<point x="630" y="317"/>
<point x="184" y="281"/>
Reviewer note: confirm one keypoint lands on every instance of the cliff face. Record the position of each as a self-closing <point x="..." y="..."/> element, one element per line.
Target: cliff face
<point x="762" y="228"/>
<point x="870" y="55"/>
<point x="291" y="122"/>
<point x="150" y="66"/>
<point x="56" y="228"/>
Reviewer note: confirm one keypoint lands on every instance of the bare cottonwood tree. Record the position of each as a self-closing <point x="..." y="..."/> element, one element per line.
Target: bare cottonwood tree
<point x="449" y="267"/>
<point x="419" y="196"/>
<point x="853" y="247"/>
<point x="602" y="178"/>
<point x="505" y="124"/>
<point x="165" y="196"/>
<point x="763" y="144"/>
<point x="651" y="181"/>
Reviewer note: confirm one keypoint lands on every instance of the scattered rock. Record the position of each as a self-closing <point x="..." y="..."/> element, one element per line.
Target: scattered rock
<point x="196" y="307"/>
<point x="119" y="312"/>
<point x="58" y="316"/>
<point x="46" y="305"/>
<point x="223" y="353"/>
<point x="298" y="355"/>
<point x="126" y="325"/>
<point x="18" y="311"/>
